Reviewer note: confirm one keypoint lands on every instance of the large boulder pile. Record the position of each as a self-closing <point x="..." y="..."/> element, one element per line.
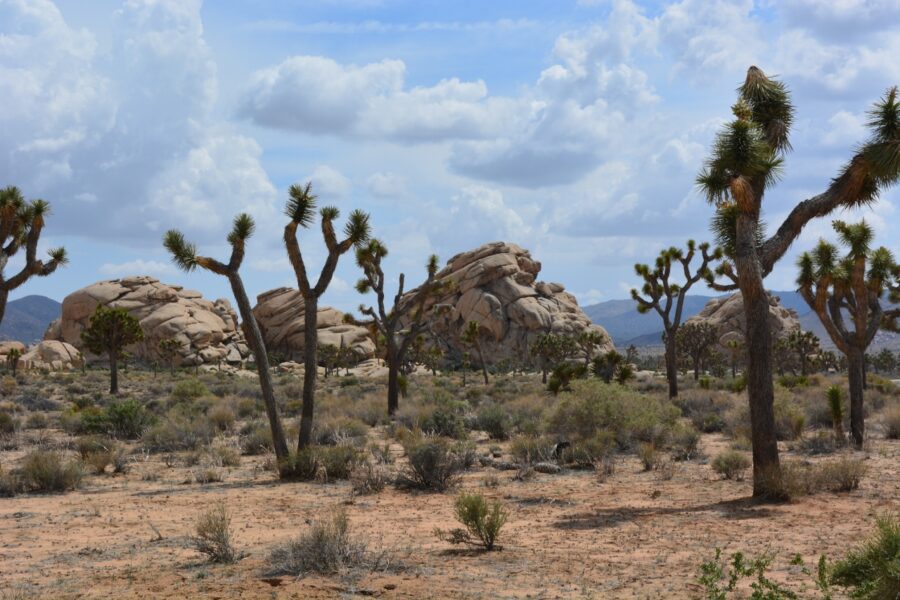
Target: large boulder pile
<point x="495" y="285"/>
<point x="53" y="355"/>
<point x="207" y="331"/>
<point x="280" y="314"/>
<point x="727" y="314"/>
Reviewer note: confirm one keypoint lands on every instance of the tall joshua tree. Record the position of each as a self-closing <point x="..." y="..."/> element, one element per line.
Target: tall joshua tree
<point x="184" y="254"/>
<point x="697" y="342"/>
<point x="471" y="336"/>
<point x="21" y="223"/>
<point x="854" y="285"/>
<point x="805" y="345"/>
<point x="390" y="322"/>
<point x="109" y="332"/>
<point x="300" y="208"/>
<point x="746" y="161"/>
<point x="663" y="295"/>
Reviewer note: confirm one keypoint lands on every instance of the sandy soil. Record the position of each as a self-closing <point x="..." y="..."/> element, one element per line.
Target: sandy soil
<point x="634" y="535"/>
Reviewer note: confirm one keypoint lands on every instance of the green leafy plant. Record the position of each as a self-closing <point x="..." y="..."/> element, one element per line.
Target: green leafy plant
<point x="483" y="521"/>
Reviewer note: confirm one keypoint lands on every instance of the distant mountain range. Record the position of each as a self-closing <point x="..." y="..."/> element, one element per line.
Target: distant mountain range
<point x="627" y="326"/>
<point x="26" y="319"/>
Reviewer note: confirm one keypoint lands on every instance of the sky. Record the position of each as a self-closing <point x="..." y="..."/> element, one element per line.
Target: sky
<point x="574" y="128"/>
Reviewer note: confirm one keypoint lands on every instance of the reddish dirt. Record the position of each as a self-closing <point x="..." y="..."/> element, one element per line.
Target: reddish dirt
<point x="634" y="535"/>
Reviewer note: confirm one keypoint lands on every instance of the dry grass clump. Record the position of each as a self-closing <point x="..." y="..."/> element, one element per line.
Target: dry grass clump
<point x="322" y="463"/>
<point x="891" y="421"/>
<point x="731" y="464"/>
<point x="43" y="471"/>
<point x="434" y="464"/>
<point x="212" y="535"/>
<point x="802" y="479"/>
<point x="368" y="478"/>
<point x="326" y="548"/>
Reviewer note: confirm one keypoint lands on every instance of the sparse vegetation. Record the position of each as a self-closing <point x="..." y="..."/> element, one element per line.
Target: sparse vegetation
<point x="482" y="519"/>
<point x="325" y="548"/>
<point x="212" y="535"/>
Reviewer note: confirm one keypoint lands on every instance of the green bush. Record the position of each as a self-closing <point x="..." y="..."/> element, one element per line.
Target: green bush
<point x="589" y="453"/>
<point x="340" y="431"/>
<point x="45" y="471"/>
<point x="731" y="464"/>
<point x="482" y="520"/>
<point x="434" y="464"/>
<point x="256" y="438"/>
<point x="447" y="423"/>
<point x="321" y="462"/>
<point x="494" y="420"/>
<point x="189" y="389"/>
<point x="177" y="432"/>
<point x="793" y="381"/>
<point x="527" y="449"/>
<point x="872" y="570"/>
<point x="127" y="419"/>
<point x="8" y="423"/>
<point x="594" y="406"/>
<point x="684" y="442"/>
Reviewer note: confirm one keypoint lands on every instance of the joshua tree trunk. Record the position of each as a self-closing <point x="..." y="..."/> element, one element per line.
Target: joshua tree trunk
<point x="856" y="370"/>
<point x="483" y="365"/>
<point x="4" y="296"/>
<point x="310" y="364"/>
<point x="257" y="346"/>
<point x="113" y="372"/>
<point x="760" y="389"/>
<point x="696" y="369"/>
<point x="393" y="364"/>
<point x="671" y="366"/>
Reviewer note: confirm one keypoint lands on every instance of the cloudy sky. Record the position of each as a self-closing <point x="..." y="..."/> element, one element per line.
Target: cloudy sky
<point x="574" y="128"/>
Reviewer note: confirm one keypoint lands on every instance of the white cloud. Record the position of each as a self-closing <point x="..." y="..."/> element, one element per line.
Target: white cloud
<point x="329" y="183"/>
<point x="137" y="267"/>
<point x="386" y="185"/>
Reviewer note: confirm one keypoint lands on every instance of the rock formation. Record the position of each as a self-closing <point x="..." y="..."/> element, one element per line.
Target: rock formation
<point x="727" y="314"/>
<point x="496" y="286"/>
<point x="280" y="315"/>
<point x="53" y="355"/>
<point x="208" y="331"/>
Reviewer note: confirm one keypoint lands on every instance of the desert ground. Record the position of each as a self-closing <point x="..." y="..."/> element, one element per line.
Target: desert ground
<point x="614" y="531"/>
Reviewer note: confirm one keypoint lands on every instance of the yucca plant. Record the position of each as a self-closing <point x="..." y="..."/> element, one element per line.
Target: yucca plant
<point x="21" y="224"/>
<point x="400" y="325"/>
<point x="746" y="161"/>
<point x="666" y="297"/>
<point x="472" y="336"/>
<point x="184" y="254"/>
<point x="300" y="209"/>
<point x="853" y="284"/>
<point x="836" y="408"/>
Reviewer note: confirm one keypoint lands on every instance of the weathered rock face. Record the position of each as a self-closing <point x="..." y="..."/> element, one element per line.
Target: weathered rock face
<point x="728" y="315"/>
<point x="53" y="355"/>
<point x="208" y="331"/>
<point x="280" y="315"/>
<point x="495" y="285"/>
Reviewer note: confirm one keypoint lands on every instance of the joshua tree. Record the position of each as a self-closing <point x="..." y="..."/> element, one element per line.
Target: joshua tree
<point x="551" y="350"/>
<point x="168" y="349"/>
<point x="109" y="332"/>
<point x="401" y="324"/>
<point x="12" y="360"/>
<point x="736" y="350"/>
<point x="631" y="354"/>
<point x="610" y="365"/>
<point x="854" y="285"/>
<point x="300" y="208"/>
<point x="805" y="345"/>
<point x="664" y="296"/>
<point x="885" y="361"/>
<point x="184" y="254"/>
<point x="746" y="161"/>
<point x="471" y="336"/>
<point x="697" y="342"/>
<point x="892" y="316"/>
<point x="835" y="408"/>
<point x="21" y="223"/>
<point x="589" y="341"/>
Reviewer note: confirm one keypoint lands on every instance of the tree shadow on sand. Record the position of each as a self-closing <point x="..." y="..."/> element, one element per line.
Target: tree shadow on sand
<point x="740" y="509"/>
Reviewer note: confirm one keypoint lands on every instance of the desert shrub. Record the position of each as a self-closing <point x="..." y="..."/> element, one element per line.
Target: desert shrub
<point x="8" y="423"/>
<point x="799" y="479"/>
<point x="446" y="423"/>
<point x="348" y="381"/>
<point x="326" y="548"/>
<point x="841" y="475"/>
<point x="705" y="382"/>
<point x="684" y="442"/>
<point x="189" y="389"/>
<point x="872" y="570"/>
<point x="127" y="419"/>
<point x="721" y="580"/>
<point x="593" y="406"/>
<point x="651" y="458"/>
<point x="36" y="420"/>
<point x="483" y="521"/>
<point x="218" y="454"/>
<point x="381" y="453"/>
<point x="44" y="471"/>
<point x="820" y="442"/>
<point x="221" y="416"/>
<point x="793" y="381"/>
<point x="212" y="535"/>
<point x="340" y="431"/>
<point x="705" y="409"/>
<point x="368" y="478"/>
<point x="495" y="421"/>
<point x="434" y="465"/>
<point x="177" y="432"/>
<point x="591" y="452"/>
<point x="256" y="438"/>
<point x="321" y="462"/>
<point x="8" y="386"/>
<point x="731" y="464"/>
<point x="891" y="421"/>
<point x="789" y="418"/>
<point x="738" y="384"/>
<point x="527" y="449"/>
<point x="246" y="407"/>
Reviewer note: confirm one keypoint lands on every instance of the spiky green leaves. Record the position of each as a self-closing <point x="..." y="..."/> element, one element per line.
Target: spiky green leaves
<point x="184" y="254"/>
<point x="301" y="204"/>
<point x="358" y="228"/>
<point x="857" y="236"/>
<point x="110" y="330"/>
<point x="432" y="265"/>
<point x="241" y="230"/>
<point x="59" y="255"/>
<point x="771" y="108"/>
<point x="882" y="152"/>
<point x="739" y="151"/>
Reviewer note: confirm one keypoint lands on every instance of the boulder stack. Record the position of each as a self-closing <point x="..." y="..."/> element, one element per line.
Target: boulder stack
<point x="496" y="286"/>
<point x="727" y="314"/>
<point x="208" y="331"/>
